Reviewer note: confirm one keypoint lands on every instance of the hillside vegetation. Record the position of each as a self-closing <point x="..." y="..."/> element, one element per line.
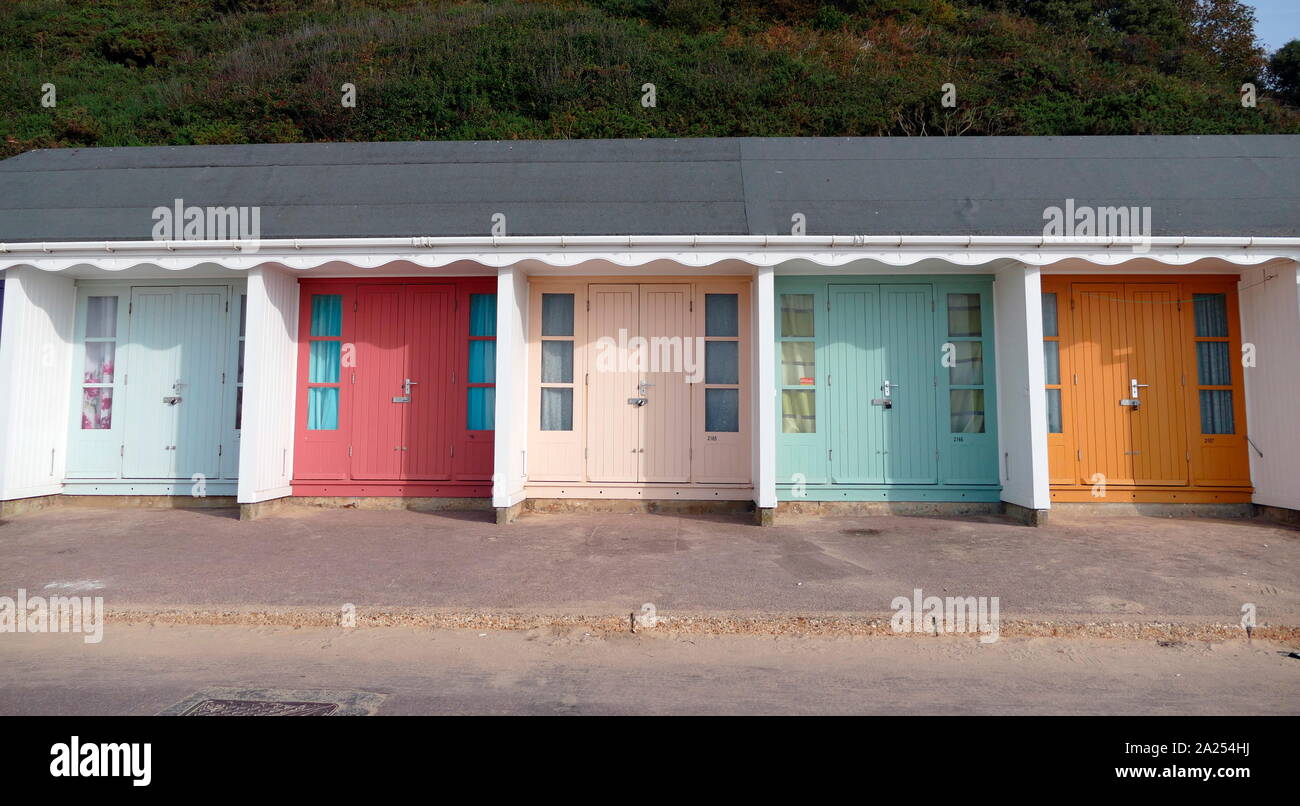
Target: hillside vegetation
<point x="142" y="72"/>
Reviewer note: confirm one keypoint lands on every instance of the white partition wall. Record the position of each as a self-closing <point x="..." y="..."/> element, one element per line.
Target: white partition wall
<point x="1270" y="332"/>
<point x="270" y="373"/>
<point x="35" y="355"/>
<point x="512" y="392"/>
<point x="764" y="471"/>
<point x="1022" y="404"/>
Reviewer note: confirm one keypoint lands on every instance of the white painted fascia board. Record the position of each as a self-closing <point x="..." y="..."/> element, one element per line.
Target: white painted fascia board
<point x="636" y="250"/>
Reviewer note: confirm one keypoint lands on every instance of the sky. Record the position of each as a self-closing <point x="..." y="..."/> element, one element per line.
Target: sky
<point x="1278" y="22"/>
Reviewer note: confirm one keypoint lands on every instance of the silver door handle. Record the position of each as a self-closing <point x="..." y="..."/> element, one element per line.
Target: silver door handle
<point x="887" y="387"/>
<point x="1134" y="386"/>
<point x="642" y="386"/>
<point x="407" y="384"/>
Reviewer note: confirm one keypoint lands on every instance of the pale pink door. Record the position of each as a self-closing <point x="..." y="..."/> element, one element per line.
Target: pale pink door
<point x="667" y="328"/>
<point x="613" y="424"/>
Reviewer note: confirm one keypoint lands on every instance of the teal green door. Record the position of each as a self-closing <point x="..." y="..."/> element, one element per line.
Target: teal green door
<point x="882" y="385"/>
<point x="174" y="385"/>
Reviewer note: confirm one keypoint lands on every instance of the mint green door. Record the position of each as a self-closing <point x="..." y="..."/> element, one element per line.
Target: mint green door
<point x="882" y="385"/>
<point x="173" y="389"/>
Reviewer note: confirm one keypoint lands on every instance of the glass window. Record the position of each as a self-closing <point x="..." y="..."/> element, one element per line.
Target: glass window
<point x="101" y="317"/>
<point x="327" y="315"/>
<point x="798" y="411"/>
<point x="557" y="409"/>
<point x="99" y="361"/>
<point x="557" y="314"/>
<point x="797" y="315"/>
<point x="968" y="367"/>
<point x="721" y="315"/>
<point x="1052" y="362"/>
<point x="96" y="408"/>
<point x="239" y="375"/>
<point x="483" y="361"/>
<point x="324" y="364"/>
<point x="966" y="411"/>
<point x="482" y="314"/>
<point x="722" y="409"/>
<point x="1212" y="363"/>
<point x="323" y="408"/>
<point x="557" y="362"/>
<point x="964" y="315"/>
<point x="1216" y="412"/>
<point x="722" y="363"/>
<point x="1051" y="328"/>
<point x="1054" y="411"/>
<point x="1211" y="315"/>
<point x="481" y="407"/>
<point x="798" y="363"/>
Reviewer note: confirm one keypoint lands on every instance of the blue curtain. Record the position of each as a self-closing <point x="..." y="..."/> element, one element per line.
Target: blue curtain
<point x="722" y="408"/>
<point x="327" y="315"/>
<point x="323" y="408"/>
<point x="324" y="366"/>
<point x="721" y="362"/>
<point x="1216" y="412"/>
<point x="1212" y="367"/>
<point x="721" y="315"/>
<point x="482" y="314"/>
<point x="1211" y="315"/>
<point x="1050" y="326"/>
<point x="482" y="408"/>
<point x="482" y="362"/>
<point x="557" y="314"/>
<point x="1053" y="411"/>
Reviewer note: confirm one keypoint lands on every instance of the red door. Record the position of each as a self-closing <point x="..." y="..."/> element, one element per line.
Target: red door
<point x="431" y="369"/>
<point x="385" y="370"/>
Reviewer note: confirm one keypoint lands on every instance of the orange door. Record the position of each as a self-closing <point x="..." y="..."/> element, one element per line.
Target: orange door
<point x="1158" y="423"/>
<point x="1100" y="356"/>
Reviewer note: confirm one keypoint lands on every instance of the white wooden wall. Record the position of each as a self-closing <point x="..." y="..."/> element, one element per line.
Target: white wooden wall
<point x="764" y="399"/>
<point x="1022" y="405"/>
<point x="35" y="363"/>
<point x="270" y="385"/>
<point x="511" y="443"/>
<point x="1270" y="320"/>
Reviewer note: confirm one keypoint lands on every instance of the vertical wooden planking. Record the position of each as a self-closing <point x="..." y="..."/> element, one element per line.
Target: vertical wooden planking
<point x="1102" y="355"/>
<point x="430" y="337"/>
<point x="613" y="425"/>
<point x="666" y="427"/>
<point x="856" y="370"/>
<point x="151" y="425"/>
<point x="1159" y="432"/>
<point x="200" y="355"/>
<point x="906" y="334"/>
<point x="378" y="424"/>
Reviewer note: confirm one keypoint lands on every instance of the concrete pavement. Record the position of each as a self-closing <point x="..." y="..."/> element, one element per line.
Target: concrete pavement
<point x="1078" y="569"/>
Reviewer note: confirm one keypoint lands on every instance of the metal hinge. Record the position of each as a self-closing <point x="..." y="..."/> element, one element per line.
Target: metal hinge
<point x="588" y="304"/>
<point x="830" y="453"/>
<point x="354" y="377"/>
<point x="1180" y="304"/>
<point x="130" y="306"/>
<point x="828" y="303"/>
<point x="121" y="451"/>
<point x="223" y="378"/>
<point x="219" y="448"/>
<point x="1078" y="455"/>
<point x="936" y="456"/>
<point x="349" y="450"/>
<point x="354" y="306"/>
<point x="586" y="379"/>
<point x="931" y="306"/>
<point x="453" y="450"/>
<point x="692" y="306"/>
<point x="1071" y="303"/>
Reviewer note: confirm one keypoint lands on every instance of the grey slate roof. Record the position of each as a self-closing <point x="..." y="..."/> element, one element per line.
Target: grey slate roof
<point x="1220" y="185"/>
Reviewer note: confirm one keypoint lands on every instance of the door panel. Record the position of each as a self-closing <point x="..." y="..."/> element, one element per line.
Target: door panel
<point x="856" y="367"/>
<point x="150" y="423"/>
<point x="430" y="324"/>
<point x="378" y="423"/>
<point x="666" y="419"/>
<point x="1100" y="358"/>
<point x="1158" y="425"/>
<point x="202" y="361"/>
<point x="613" y="425"/>
<point x="906" y="328"/>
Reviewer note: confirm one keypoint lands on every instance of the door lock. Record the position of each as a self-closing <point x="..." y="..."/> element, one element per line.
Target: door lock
<point x="638" y="401"/>
<point x="171" y="400"/>
<point x="887" y="401"/>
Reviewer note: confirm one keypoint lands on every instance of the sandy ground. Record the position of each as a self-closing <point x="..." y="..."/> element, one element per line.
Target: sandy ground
<point x="143" y="670"/>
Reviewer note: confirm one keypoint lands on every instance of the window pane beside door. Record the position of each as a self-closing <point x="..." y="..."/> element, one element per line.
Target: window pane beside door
<point x="721" y="315"/>
<point x="1054" y="411"/>
<point x="557" y="409"/>
<point x="966" y="409"/>
<point x="1212" y="363"/>
<point x="482" y="314"/>
<point x="482" y="361"/>
<point x="964" y="315"/>
<point x="1050" y="327"/>
<point x="798" y="411"/>
<point x="797" y="316"/>
<point x="324" y="365"/>
<point x="1052" y="362"/>
<point x="557" y="314"/>
<point x="968" y="364"/>
<point x="99" y="361"/>
<point x="721" y="409"/>
<point x="101" y="317"/>
<point x="96" y="408"/>
<point x="327" y="315"/>
<point x="798" y="363"/>
<point x="481" y="408"/>
<point x="323" y="408"/>
<point x="1216" y="412"/>
<point x="721" y="363"/>
<point x="557" y="362"/>
<point x="1211" y="315"/>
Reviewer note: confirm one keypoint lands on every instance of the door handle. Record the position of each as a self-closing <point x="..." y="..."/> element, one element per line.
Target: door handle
<point x="407" y="384"/>
<point x="1134" y="400"/>
<point x="642" y="386"/>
